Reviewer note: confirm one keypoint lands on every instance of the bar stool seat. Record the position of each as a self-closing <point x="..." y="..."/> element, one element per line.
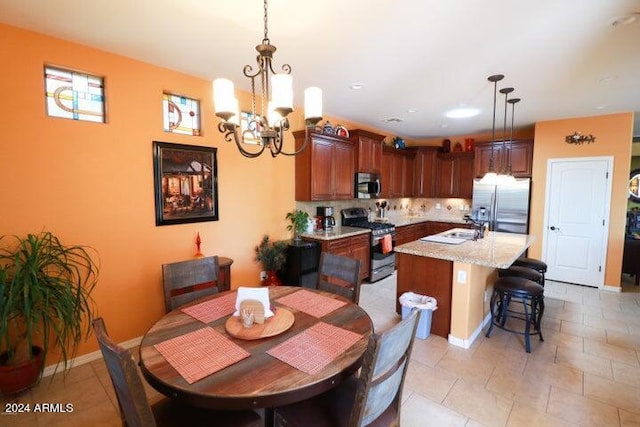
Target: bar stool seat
<point x="530" y="294"/>
<point x="524" y="272"/>
<point x="533" y="264"/>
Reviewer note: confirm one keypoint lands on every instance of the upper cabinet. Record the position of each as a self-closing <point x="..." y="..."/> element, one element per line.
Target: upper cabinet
<point x="520" y="152"/>
<point x="325" y="170"/>
<point x="397" y="173"/>
<point x="454" y="175"/>
<point x="368" y="149"/>
<point x="424" y="165"/>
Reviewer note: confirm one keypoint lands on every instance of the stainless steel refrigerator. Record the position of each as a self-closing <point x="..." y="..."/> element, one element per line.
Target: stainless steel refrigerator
<point x="505" y="207"/>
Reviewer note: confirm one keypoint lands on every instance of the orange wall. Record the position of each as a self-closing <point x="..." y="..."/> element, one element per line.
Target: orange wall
<point x="613" y="138"/>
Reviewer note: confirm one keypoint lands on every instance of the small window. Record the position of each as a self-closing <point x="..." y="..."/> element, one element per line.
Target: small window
<point x="73" y="95"/>
<point x="181" y="114"/>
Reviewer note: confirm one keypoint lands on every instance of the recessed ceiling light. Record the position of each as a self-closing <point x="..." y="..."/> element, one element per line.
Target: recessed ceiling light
<point x="392" y="120"/>
<point x="607" y="79"/>
<point x="444" y="125"/>
<point x="411" y="110"/>
<point x="356" y="86"/>
<point x="462" y="113"/>
<point x="625" y="20"/>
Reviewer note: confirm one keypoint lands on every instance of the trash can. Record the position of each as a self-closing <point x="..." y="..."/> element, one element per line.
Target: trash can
<point x="426" y="305"/>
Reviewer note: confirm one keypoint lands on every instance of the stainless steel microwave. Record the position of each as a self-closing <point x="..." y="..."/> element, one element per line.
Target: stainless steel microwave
<point x="367" y="186"/>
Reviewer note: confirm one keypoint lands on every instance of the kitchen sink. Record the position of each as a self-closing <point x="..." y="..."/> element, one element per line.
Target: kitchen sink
<point x="467" y="235"/>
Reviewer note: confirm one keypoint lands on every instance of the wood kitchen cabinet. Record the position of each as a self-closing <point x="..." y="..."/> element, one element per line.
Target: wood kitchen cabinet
<point x="357" y="247"/>
<point x="397" y="172"/>
<point x="325" y="170"/>
<point x="454" y="175"/>
<point x="520" y="151"/>
<point x="424" y="171"/>
<point x="368" y="150"/>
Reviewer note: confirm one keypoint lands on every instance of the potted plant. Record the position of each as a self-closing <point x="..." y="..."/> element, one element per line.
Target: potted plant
<point x="272" y="257"/>
<point x="299" y="220"/>
<point x="45" y="300"/>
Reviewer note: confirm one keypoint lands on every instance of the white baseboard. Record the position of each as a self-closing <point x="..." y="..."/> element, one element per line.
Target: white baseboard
<point x="86" y="358"/>
<point x="466" y="343"/>
<point x="612" y="288"/>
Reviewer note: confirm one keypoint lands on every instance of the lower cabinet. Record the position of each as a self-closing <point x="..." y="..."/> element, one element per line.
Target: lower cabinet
<point x="412" y="232"/>
<point x="357" y="247"/>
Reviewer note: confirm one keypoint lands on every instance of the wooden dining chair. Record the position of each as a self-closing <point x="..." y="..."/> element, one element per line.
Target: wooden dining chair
<point x="371" y="399"/>
<point x="186" y="281"/>
<point x="135" y="410"/>
<point x="339" y="275"/>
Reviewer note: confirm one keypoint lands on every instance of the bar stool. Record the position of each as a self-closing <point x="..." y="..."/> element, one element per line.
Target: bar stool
<point x="533" y="264"/>
<point x="527" y="292"/>
<point x="524" y="272"/>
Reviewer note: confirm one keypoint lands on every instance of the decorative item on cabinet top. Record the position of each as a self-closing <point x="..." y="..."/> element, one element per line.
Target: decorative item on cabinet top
<point x="399" y="143"/>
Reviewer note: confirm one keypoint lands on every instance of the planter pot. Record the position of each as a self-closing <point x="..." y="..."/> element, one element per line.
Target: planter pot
<point x="16" y="379"/>
<point x="272" y="279"/>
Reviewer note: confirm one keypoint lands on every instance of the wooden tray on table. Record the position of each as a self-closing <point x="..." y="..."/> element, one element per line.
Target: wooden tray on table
<point x="274" y="325"/>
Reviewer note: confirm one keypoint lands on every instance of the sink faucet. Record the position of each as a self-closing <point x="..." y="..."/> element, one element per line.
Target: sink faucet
<point x="478" y="227"/>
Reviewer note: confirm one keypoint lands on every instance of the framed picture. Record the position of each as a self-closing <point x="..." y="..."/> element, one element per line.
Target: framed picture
<point x="186" y="183"/>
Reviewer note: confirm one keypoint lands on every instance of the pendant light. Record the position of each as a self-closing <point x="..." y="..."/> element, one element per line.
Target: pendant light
<point x="505" y="177"/>
<point x="513" y="102"/>
<point x="491" y="176"/>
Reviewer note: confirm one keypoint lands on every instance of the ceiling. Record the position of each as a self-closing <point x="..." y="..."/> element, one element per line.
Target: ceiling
<point x="564" y="58"/>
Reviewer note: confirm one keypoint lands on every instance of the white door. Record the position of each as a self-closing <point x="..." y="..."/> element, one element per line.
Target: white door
<point x="578" y="195"/>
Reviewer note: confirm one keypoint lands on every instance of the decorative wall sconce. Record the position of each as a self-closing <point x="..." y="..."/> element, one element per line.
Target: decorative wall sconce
<point x="578" y="138"/>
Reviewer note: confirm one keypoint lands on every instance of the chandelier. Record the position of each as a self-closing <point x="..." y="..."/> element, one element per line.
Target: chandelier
<point x="265" y="127"/>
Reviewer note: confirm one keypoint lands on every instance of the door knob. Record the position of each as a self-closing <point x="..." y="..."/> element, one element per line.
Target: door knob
<point x="553" y="228"/>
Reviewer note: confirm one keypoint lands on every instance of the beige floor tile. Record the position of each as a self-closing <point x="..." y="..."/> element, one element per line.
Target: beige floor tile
<point x="478" y="403"/>
<point x="83" y="395"/>
<point x="418" y="411"/>
<point x="562" y="340"/>
<point x="584" y="309"/>
<point x="508" y="359"/>
<point x="429" y="382"/>
<point x="580" y="330"/>
<point x="570" y="379"/>
<point x="525" y="416"/>
<point x="613" y="352"/>
<point x="472" y="370"/>
<point x="608" y="324"/>
<point x="562" y="314"/>
<point x="629" y="419"/>
<point x="14" y="419"/>
<point x="100" y="415"/>
<point x="429" y="351"/>
<point x="581" y="410"/>
<point x="621" y="339"/>
<point x="626" y="374"/>
<point x="519" y="389"/>
<point x="584" y="362"/>
<point x="612" y="392"/>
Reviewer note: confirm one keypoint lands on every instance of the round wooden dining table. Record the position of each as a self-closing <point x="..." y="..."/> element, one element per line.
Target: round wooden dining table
<point x="260" y="380"/>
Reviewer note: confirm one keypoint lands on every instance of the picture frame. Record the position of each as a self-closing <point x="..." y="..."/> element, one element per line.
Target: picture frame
<point x="185" y="183"/>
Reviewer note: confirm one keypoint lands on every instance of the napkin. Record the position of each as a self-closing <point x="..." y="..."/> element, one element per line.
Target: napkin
<point x="260" y="294"/>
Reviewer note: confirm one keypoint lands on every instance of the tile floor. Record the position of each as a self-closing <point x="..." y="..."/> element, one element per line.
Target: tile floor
<point x="585" y="373"/>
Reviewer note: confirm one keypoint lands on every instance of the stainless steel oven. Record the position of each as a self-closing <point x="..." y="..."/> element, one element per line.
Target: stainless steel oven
<point x="382" y="242"/>
<point x="367" y="186"/>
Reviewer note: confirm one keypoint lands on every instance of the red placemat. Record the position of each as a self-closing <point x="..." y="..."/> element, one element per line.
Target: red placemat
<point x="200" y="353"/>
<point x="212" y="309"/>
<point x="315" y="348"/>
<point x="311" y="303"/>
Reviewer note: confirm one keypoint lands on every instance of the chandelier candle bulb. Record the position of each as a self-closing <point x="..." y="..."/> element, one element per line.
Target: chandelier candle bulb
<point x="224" y="100"/>
<point x="282" y="92"/>
<point x="274" y="116"/>
<point x="312" y="103"/>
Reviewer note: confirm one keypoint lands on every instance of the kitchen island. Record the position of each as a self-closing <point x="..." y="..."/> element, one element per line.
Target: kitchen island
<point x="460" y="277"/>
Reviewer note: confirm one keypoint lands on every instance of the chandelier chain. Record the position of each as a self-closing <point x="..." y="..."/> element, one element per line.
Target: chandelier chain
<point x="266" y="30"/>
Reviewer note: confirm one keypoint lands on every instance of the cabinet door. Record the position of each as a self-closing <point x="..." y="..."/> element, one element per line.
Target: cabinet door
<point x="465" y="178"/>
<point x="376" y="156"/>
<point x="343" y="171"/>
<point x="385" y="174"/>
<point x="408" y="167"/>
<point x="322" y="178"/>
<point x="445" y="177"/>
<point x="483" y="158"/>
<point x="361" y="250"/>
<point x="397" y="175"/>
<point x="425" y="171"/>
<point x="365" y="154"/>
<point x="521" y="156"/>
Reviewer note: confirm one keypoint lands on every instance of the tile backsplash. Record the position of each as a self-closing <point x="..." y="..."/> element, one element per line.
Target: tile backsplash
<point x="434" y="209"/>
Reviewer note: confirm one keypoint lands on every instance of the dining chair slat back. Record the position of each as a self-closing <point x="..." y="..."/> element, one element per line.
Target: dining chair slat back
<point x="135" y="410"/>
<point x="371" y="399"/>
<point x="339" y="275"/>
<point x="186" y="281"/>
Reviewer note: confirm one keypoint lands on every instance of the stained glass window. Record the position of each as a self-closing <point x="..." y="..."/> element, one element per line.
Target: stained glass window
<point x="73" y="95"/>
<point x="181" y="114"/>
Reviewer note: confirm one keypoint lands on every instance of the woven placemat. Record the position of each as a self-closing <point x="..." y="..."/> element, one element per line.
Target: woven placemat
<point x="213" y="309"/>
<point x="200" y="353"/>
<point x="311" y="303"/>
<point x="315" y="348"/>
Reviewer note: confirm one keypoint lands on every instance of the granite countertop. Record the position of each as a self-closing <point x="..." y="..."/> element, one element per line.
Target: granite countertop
<point x="496" y="249"/>
<point x="338" y="232"/>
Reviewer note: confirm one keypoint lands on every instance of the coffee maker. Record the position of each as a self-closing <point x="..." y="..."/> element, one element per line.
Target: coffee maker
<point x="325" y="214"/>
